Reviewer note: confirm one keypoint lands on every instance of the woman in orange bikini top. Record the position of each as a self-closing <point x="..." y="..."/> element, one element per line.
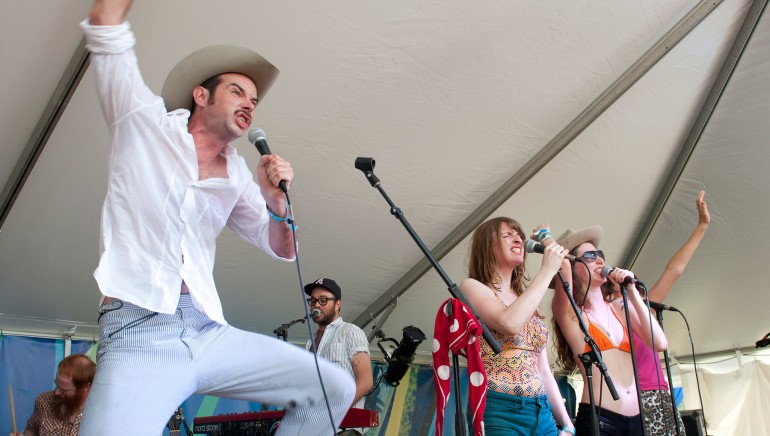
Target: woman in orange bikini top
<point x="607" y="328"/>
<point x="603" y="341"/>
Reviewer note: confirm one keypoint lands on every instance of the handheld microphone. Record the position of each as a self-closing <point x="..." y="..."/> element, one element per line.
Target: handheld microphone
<point x="259" y="139"/>
<point x="608" y="269"/>
<point x="315" y="313"/>
<point x="661" y="306"/>
<point x="535" y="247"/>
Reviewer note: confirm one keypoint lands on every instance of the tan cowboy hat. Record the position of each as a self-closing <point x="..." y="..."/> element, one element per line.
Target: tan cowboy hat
<point x="209" y="62"/>
<point x="571" y="239"/>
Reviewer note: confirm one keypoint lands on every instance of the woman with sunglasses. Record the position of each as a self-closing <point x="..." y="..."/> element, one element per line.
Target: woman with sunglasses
<point x="606" y="325"/>
<point x="522" y="394"/>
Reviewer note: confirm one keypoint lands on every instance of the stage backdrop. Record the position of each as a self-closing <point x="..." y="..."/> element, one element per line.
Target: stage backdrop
<point x="29" y="366"/>
<point x="735" y="398"/>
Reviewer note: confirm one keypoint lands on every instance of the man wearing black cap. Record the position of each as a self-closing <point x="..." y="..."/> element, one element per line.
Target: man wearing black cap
<point x="336" y="340"/>
<point x="174" y="183"/>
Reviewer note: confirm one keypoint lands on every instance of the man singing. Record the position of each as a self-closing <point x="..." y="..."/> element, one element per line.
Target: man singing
<point x="174" y="183"/>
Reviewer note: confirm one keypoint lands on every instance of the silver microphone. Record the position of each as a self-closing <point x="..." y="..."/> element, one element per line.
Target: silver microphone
<point x="259" y="139"/>
<point x="607" y="270"/>
<point x="531" y="246"/>
<point x="315" y="313"/>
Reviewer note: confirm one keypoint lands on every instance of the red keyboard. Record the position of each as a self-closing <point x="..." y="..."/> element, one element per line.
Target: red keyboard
<point x="233" y="423"/>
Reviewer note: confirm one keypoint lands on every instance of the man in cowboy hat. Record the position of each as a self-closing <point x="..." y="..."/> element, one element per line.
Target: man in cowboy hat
<point x="174" y="182"/>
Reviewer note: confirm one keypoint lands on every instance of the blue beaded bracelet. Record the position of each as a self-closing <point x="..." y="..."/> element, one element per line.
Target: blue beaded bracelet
<point x="275" y="217"/>
<point x="542" y="235"/>
<point x="568" y="429"/>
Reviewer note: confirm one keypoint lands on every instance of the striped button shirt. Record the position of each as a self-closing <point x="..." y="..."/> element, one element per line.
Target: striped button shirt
<point x="341" y="340"/>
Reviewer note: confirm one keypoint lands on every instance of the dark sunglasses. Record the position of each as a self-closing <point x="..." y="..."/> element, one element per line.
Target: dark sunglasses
<point x="322" y="301"/>
<point x="591" y="256"/>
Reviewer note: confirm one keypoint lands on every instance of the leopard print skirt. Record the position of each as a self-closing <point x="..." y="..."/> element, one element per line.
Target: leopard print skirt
<point x="658" y="419"/>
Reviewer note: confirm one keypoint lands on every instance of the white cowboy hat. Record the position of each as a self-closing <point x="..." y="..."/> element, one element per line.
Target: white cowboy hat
<point x="210" y="61"/>
<point x="571" y="239"/>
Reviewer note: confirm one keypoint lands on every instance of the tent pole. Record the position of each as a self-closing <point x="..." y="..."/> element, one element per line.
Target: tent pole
<point x="542" y="157"/>
<point x="741" y="40"/>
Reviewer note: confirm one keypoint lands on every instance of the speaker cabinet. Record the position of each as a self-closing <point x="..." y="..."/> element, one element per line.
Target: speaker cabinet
<point x="693" y="422"/>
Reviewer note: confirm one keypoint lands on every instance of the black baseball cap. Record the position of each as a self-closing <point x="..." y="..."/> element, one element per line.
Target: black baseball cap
<point x="327" y="284"/>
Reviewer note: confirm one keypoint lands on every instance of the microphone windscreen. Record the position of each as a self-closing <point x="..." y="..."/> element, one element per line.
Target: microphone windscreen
<point x="607" y="270"/>
<point x="256" y="135"/>
<point x="531" y="246"/>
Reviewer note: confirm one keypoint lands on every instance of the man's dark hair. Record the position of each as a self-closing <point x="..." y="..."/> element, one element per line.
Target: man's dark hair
<point x="211" y="85"/>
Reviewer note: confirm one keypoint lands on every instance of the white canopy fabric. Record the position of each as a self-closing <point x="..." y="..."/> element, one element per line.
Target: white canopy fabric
<point x="530" y="110"/>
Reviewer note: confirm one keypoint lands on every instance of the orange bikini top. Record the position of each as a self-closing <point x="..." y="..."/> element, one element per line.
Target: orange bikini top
<point x="604" y="342"/>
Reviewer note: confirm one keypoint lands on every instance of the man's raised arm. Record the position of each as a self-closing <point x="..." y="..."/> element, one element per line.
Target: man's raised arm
<point x="109" y="12"/>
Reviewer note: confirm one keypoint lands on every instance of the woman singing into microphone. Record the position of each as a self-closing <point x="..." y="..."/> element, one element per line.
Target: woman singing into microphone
<point x="607" y="326"/>
<point x="522" y="397"/>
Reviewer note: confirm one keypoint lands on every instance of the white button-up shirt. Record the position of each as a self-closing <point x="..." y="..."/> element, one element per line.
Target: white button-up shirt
<point x="159" y="222"/>
<point x="340" y="342"/>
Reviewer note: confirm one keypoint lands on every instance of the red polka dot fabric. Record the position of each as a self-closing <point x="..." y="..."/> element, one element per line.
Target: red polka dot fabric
<point x="457" y="331"/>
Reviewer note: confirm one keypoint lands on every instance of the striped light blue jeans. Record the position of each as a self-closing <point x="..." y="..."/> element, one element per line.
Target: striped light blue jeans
<point x="148" y="363"/>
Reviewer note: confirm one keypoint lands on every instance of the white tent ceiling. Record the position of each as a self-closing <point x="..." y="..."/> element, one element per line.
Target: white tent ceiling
<point x="531" y="110"/>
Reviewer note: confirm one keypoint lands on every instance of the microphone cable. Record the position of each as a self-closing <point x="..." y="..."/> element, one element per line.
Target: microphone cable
<point x="656" y="355"/>
<point x="659" y="369"/>
<point x="379" y="380"/>
<point x="258" y="139"/>
<point x="585" y="294"/>
<point x="697" y="379"/>
<point x="290" y="220"/>
<point x="582" y="311"/>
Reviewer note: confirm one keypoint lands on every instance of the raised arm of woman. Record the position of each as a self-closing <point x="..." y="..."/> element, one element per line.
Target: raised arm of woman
<point x="678" y="262"/>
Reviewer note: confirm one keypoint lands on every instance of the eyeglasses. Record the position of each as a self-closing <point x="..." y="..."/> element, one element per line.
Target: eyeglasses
<point x="591" y="256"/>
<point x="322" y="301"/>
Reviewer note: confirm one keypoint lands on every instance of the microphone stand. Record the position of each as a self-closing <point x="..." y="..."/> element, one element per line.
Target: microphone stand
<point x="187" y="428"/>
<point x="376" y="331"/>
<point x="282" y="331"/>
<point x="366" y="165"/>
<point x="668" y="373"/>
<point x="624" y="293"/>
<point x="592" y="356"/>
